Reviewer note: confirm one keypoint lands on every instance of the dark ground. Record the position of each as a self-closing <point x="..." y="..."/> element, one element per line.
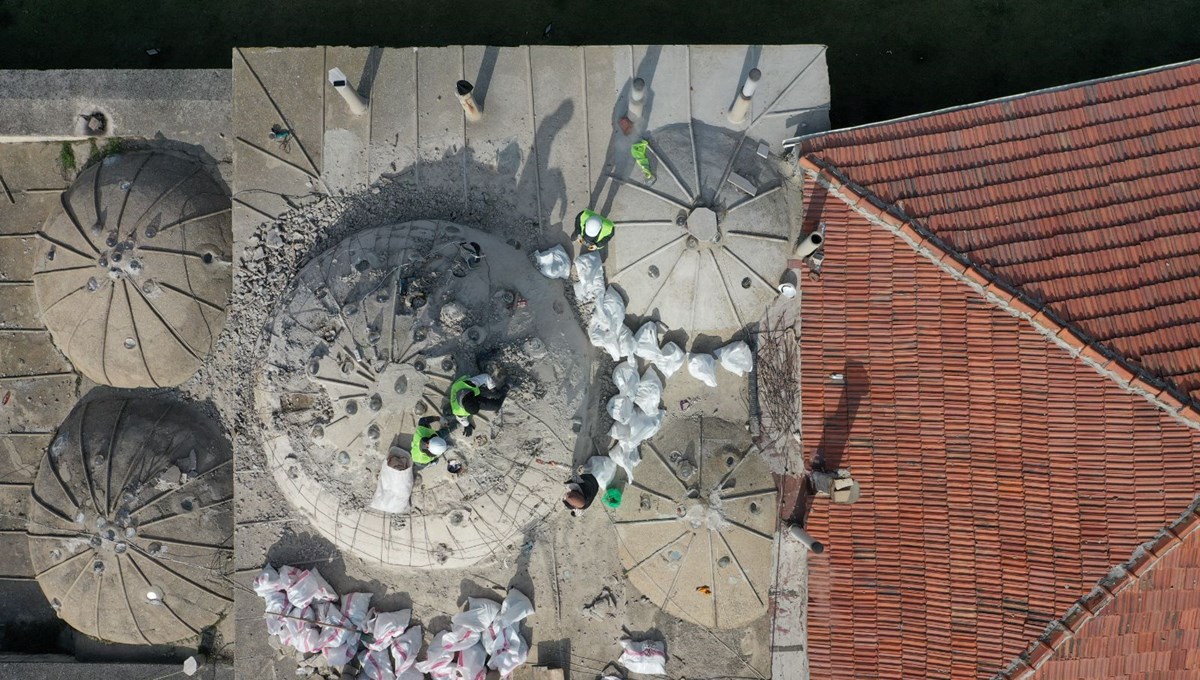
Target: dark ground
<point x="887" y="58"/>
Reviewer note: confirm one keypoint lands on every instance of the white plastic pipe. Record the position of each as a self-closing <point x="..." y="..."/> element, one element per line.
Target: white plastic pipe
<point x="637" y="98"/>
<point x="809" y="245"/>
<point x="741" y="106"/>
<point x="465" y="91"/>
<point x="358" y="105"/>
<point x="797" y="532"/>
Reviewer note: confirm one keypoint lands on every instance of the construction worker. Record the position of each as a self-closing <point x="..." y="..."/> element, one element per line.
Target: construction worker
<point x="470" y="395"/>
<point x="581" y="491"/>
<point x="594" y="230"/>
<point x="428" y="443"/>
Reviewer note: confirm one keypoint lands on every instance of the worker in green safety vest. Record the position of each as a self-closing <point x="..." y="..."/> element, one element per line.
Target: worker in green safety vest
<point x="470" y="395"/>
<point x="594" y="230"/>
<point x="429" y="441"/>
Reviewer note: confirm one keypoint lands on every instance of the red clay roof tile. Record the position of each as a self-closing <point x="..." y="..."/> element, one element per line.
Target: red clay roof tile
<point x="1001" y="477"/>
<point x="1086" y="198"/>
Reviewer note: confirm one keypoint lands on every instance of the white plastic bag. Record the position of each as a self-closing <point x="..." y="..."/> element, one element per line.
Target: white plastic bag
<point x="603" y="469"/>
<point x="438" y="659"/>
<point x="702" y="368"/>
<point x="553" y="263"/>
<point x="646" y="342"/>
<point x="648" y="394"/>
<point x="394" y="489"/>
<point x="625" y="377"/>
<point x="268" y="581"/>
<point x="620" y="408"/>
<point x="670" y="359"/>
<point x="515" y="608"/>
<point x="626" y="457"/>
<point x="590" y="271"/>
<point x="647" y="657"/>
<point x="735" y="358"/>
<point x="640" y="427"/>
<point x="610" y="308"/>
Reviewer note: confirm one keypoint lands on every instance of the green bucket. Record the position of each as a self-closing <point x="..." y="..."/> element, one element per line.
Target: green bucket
<point x="612" y="498"/>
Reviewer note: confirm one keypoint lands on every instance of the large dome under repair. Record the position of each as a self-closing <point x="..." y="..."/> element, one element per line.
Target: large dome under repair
<point x="369" y="339"/>
<point x="133" y="271"/>
<point x="131" y="521"/>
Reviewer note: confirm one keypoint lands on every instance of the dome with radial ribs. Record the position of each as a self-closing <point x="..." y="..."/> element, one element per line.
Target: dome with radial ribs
<point x="133" y="270"/>
<point x="369" y="340"/>
<point x="131" y="520"/>
<point x="702" y="246"/>
<point x="697" y="524"/>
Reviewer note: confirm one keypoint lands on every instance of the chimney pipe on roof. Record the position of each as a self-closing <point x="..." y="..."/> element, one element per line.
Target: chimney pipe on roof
<point x="741" y="106"/>
<point x="797" y="532"/>
<point x="338" y="80"/>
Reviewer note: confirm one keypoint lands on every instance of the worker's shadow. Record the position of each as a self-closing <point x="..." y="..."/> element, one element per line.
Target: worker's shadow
<point x="835" y="430"/>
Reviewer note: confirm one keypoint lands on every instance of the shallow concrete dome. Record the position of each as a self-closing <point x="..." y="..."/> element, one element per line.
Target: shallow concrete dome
<point x="369" y="339"/>
<point x="697" y="528"/>
<point x="133" y="270"/>
<point x="131" y="520"/>
<point x="694" y="248"/>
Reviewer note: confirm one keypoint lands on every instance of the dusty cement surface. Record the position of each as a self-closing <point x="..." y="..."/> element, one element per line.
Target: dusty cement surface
<point x="563" y="562"/>
<point x="369" y="339"/>
<point x="131" y="524"/>
<point x="549" y="145"/>
<point x="133" y="271"/>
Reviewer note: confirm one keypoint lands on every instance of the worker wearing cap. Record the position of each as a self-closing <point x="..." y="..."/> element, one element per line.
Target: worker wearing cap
<point x="594" y="230"/>
<point x="470" y="395"/>
<point x="428" y="443"/>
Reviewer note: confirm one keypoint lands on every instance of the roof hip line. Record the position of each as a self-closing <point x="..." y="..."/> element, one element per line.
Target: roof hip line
<point x="1000" y="293"/>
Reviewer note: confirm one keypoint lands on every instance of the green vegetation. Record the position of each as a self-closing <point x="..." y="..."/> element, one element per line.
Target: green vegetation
<point x="66" y="157"/>
<point x="112" y="145"/>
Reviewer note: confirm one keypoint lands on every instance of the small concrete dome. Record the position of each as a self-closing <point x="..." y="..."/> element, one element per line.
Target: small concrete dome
<point x="134" y="271"/>
<point x="131" y="520"/>
<point x="697" y="530"/>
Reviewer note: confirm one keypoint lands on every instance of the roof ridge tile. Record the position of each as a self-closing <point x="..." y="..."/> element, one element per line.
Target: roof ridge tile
<point x="1044" y="320"/>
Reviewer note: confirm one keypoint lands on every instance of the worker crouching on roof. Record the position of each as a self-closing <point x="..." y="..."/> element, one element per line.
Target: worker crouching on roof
<point x="470" y="395"/>
<point x="429" y="441"/>
<point x="594" y="230"/>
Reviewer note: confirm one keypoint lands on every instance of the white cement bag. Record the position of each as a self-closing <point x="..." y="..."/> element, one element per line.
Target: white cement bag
<point x="386" y="626"/>
<point x="355" y="607"/>
<point x="308" y="588"/>
<point x="647" y="657"/>
<point x="625" y="344"/>
<point x="458" y="639"/>
<point x="276" y="603"/>
<point x="702" y="368"/>
<point x="268" y="581"/>
<point x="479" y="615"/>
<point x="648" y="394"/>
<point x="472" y="663"/>
<point x="375" y="665"/>
<point x="553" y="263"/>
<point x="735" y="358"/>
<point x="620" y="408"/>
<point x="511" y="653"/>
<point x="394" y="489"/>
<point x="405" y="649"/>
<point x="670" y="359"/>
<point x="590" y="271"/>
<point x="626" y="457"/>
<point x="438" y="660"/>
<point x="603" y="469"/>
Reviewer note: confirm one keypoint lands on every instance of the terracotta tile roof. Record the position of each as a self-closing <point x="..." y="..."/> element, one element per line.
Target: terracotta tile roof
<point x="1003" y="476"/>
<point x="1086" y="199"/>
